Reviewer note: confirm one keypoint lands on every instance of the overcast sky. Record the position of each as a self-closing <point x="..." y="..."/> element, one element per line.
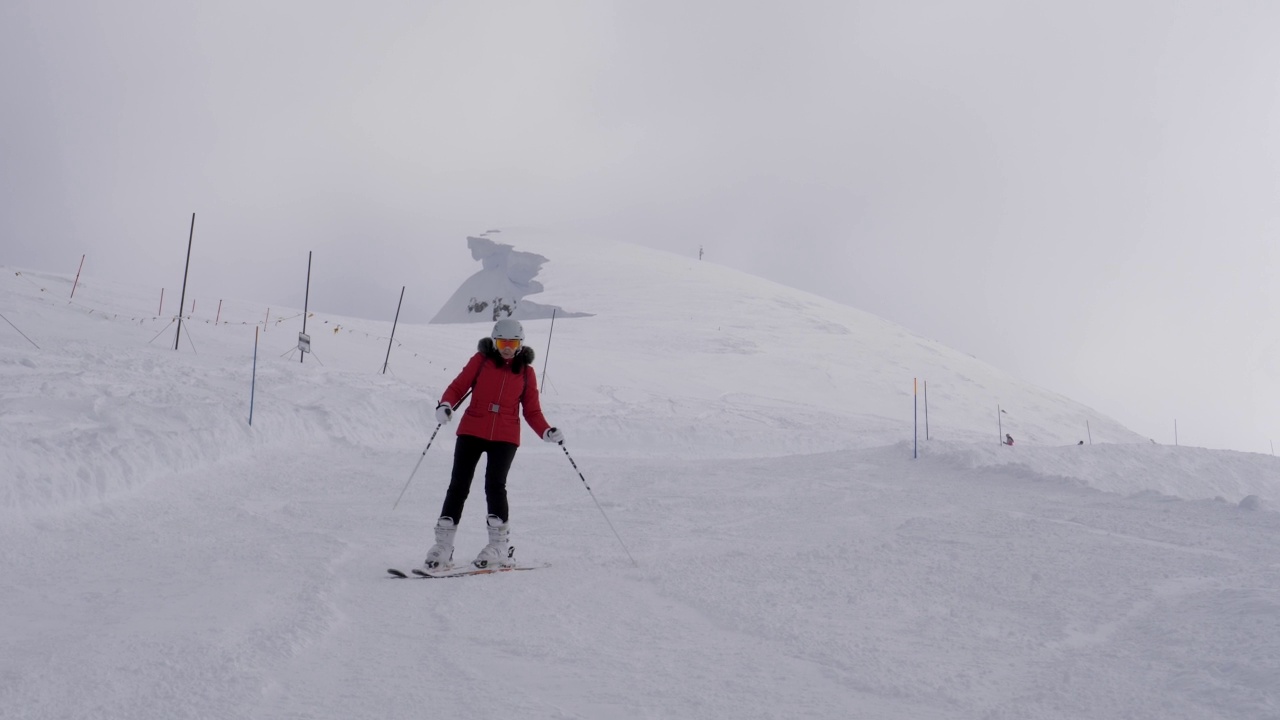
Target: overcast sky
<point x="1082" y="193"/>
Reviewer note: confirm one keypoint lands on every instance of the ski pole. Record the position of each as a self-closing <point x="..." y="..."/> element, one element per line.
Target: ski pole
<point x="423" y="455"/>
<point x="415" y="467"/>
<point x="597" y="502"/>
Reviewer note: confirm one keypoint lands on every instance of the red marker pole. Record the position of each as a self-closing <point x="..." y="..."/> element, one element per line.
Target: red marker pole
<point x="77" y="282"/>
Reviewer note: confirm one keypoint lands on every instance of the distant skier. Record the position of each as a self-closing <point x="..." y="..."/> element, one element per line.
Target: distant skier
<point x="1080" y="443"/>
<point x="502" y="383"/>
<point x="1008" y="439"/>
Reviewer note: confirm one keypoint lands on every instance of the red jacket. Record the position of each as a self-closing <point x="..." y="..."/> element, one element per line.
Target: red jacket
<point x="499" y="391"/>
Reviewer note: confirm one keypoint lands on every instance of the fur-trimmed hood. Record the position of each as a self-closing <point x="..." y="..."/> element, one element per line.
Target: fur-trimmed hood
<point x="523" y="358"/>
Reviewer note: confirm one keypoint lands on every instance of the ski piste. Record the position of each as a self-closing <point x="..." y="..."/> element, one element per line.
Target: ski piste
<point x="459" y="571"/>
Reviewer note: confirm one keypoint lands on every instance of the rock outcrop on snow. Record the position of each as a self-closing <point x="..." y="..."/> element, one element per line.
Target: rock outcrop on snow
<point x="1252" y="502"/>
<point x="499" y="289"/>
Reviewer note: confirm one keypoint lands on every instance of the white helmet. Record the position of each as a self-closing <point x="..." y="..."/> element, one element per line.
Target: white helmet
<point x="507" y="329"/>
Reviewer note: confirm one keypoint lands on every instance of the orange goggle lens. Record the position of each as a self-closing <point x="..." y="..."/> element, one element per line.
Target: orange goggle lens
<point x="503" y="344"/>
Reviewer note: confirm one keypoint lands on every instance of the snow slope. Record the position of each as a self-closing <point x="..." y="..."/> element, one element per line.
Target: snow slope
<point x="752" y="445"/>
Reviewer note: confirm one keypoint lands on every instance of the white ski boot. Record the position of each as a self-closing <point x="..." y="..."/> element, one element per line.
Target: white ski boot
<point x="495" y="553"/>
<point x="441" y="554"/>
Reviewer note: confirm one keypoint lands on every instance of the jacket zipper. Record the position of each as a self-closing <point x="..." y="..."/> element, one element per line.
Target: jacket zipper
<point x="493" y="430"/>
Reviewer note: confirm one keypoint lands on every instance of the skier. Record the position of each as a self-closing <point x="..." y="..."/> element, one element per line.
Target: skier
<point x="502" y="382"/>
<point x="1008" y="439"/>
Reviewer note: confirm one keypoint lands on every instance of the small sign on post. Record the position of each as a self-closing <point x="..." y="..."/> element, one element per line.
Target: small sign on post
<point x="304" y="342"/>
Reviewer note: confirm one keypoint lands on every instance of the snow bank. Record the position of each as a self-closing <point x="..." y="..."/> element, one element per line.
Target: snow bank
<point x="1183" y="472"/>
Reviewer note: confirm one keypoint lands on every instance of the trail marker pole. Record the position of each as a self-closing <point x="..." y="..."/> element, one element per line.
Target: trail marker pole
<point x="306" y="299"/>
<point x="183" y="299"/>
<point x="393" y="331"/>
<point x="77" y="282"/>
<point x="926" y="409"/>
<point x="253" y="385"/>
<point x="547" y="357"/>
<point x="915" y="418"/>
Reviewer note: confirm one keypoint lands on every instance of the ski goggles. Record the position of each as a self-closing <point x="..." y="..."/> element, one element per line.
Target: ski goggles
<point x="505" y="344"/>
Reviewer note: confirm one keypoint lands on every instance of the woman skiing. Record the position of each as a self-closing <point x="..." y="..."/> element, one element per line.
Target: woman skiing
<point x="502" y="383"/>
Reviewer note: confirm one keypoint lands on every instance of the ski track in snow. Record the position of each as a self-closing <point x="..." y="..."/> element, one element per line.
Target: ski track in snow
<point x="858" y="582"/>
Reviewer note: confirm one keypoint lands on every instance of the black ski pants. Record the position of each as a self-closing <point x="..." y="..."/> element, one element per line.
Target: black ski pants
<point x="466" y="455"/>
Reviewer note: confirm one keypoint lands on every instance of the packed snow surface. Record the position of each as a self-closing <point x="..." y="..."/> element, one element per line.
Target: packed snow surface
<point x="752" y="446"/>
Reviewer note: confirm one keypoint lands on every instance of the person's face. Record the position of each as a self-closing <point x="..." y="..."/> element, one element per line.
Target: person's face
<point x="507" y="348"/>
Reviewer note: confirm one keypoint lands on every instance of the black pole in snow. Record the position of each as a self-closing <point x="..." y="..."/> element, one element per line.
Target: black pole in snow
<point x="306" y="300"/>
<point x="253" y="384"/>
<point x="926" y="409"/>
<point x="547" y="357"/>
<point x="915" y="419"/>
<point x="183" y="300"/>
<point x="393" y="331"/>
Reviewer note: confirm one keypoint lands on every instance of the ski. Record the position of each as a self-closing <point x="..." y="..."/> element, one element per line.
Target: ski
<point x="459" y="571"/>
<point x="466" y="571"/>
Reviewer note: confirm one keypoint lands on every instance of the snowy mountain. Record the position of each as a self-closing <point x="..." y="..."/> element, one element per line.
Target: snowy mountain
<point x="663" y="352"/>
<point x="751" y="443"/>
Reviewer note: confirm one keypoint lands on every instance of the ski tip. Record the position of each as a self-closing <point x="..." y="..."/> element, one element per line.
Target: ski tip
<point x="396" y="573"/>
